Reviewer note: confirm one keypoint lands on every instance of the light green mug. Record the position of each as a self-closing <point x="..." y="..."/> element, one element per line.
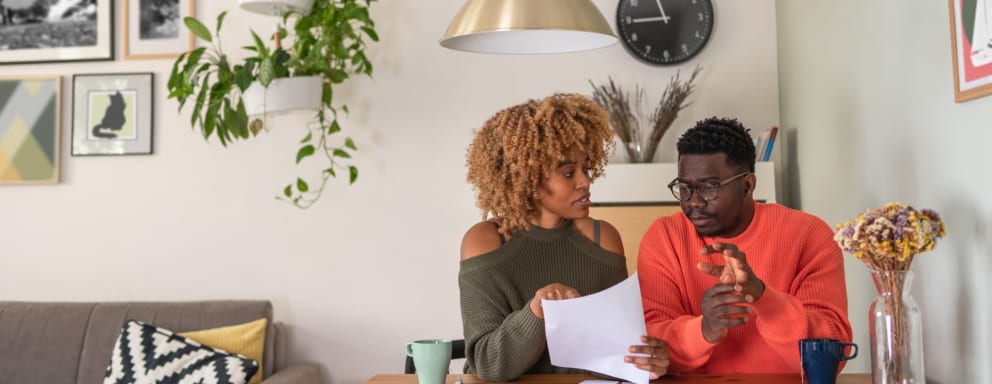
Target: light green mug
<point x="431" y="358"/>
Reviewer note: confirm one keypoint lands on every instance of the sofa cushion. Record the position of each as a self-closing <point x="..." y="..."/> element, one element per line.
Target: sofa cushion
<point x="145" y="354"/>
<point x="106" y="319"/>
<point x="41" y="343"/>
<point x="246" y="339"/>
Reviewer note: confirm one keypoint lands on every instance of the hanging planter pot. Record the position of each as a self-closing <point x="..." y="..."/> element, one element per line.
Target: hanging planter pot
<point x="276" y="7"/>
<point x="283" y="95"/>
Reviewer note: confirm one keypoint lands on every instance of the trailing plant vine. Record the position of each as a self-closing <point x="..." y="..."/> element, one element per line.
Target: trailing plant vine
<point x="328" y="41"/>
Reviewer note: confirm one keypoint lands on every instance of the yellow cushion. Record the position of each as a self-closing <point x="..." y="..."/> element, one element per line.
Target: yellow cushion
<point x="246" y="339"/>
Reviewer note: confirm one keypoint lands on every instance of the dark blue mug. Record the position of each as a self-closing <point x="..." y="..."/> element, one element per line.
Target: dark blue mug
<point x="822" y="357"/>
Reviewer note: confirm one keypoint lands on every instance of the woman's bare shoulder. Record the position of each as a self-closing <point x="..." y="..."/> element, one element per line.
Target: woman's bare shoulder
<point x="481" y="238"/>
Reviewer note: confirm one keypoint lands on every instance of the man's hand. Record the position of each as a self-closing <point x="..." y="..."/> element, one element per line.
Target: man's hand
<point x="734" y="270"/>
<point x="722" y="311"/>
<point x="656" y="362"/>
<point x="553" y="291"/>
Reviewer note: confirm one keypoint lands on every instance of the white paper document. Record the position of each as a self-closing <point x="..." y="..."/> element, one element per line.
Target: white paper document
<point x="595" y="332"/>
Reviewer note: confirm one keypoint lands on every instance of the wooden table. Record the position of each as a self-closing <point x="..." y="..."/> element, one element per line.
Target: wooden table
<point x="846" y="378"/>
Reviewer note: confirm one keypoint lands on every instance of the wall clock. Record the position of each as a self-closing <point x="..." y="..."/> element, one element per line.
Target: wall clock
<point x="664" y="31"/>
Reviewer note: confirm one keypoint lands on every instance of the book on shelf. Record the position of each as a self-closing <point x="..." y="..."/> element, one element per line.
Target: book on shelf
<point x="766" y="153"/>
<point x="761" y="144"/>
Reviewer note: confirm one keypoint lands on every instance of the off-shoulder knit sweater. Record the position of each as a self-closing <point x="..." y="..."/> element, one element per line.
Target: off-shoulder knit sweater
<point x="792" y="252"/>
<point x="503" y="338"/>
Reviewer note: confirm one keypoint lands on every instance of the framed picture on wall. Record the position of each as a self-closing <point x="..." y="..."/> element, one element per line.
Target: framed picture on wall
<point x="41" y="31"/>
<point x="971" y="40"/>
<point x="154" y="29"/>
<point x="29" y="129"/>
<point x="112" y="114"/>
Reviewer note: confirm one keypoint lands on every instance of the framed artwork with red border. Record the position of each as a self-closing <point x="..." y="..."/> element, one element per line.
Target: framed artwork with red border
<point x="971" y="42"/>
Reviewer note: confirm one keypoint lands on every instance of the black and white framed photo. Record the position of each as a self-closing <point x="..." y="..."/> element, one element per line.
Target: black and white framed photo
<point x="45" y="31"/>
<point x="112" y="114"/>
<point x="154" y="29"/>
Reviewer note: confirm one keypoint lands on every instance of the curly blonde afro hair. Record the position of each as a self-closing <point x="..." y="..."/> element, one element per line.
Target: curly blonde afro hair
<point x="517" y="148"/>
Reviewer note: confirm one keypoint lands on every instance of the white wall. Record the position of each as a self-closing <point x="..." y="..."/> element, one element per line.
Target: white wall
<point x="867" y="91"/>
<point x="372" y="265"/>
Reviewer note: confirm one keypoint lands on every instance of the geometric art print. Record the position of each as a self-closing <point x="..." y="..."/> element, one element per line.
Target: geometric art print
<point x="29" y="130"/>
<point x="145" y="354"/>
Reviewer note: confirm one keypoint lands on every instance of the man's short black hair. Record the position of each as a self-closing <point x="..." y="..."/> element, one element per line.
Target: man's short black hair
<point x="719" y="135"/>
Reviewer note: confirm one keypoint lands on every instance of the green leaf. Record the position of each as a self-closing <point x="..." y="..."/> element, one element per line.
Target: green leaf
<point x="307" y="137"/>
<point x="210" y="122"/>
<point x="220" y="21"/>
<point x="194" y="58"/>
<point x="353" y="174"/>
<point x="350" y="144"/>
<point x="259" y="45"/>
<point x="335" y="128"/>
<point x="302" y="185"/>
<point x="288" y="191"/>
<point x="197" y="28"/>
<point x="341" y="153"/>
<point x="371" y="33"/>
<point x="242" y="77"/>
<point x="200" y="99"/>
<point x="304" y="152"/>
<point x="338" y="76"/>
<point x="280" y="56"/>
<point x="266" y="72"/>
<point x="234" y="121"/>
<point x="242" y="116"/>
<point x="174" y="78"/>
<point x="331" y="171"/>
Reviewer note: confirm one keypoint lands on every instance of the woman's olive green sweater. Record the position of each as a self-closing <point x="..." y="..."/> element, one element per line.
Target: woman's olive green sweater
<point x="503" y="338"/>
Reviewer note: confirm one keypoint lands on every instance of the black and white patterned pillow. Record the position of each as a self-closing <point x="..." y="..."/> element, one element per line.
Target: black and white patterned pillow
<point x="145" y="354"/>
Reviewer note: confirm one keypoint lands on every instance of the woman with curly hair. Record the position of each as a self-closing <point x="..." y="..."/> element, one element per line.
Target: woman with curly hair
<point x="531" y="166"/>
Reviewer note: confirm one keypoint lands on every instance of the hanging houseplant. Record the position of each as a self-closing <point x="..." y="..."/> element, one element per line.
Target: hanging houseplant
<point x="328" y="42"/>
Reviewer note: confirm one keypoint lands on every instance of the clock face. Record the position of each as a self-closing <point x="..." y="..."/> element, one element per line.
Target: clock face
<point x="664" y="31"/>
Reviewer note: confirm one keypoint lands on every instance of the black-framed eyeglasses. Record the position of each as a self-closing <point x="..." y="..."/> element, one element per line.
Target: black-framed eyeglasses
<point x="706" y="191"/>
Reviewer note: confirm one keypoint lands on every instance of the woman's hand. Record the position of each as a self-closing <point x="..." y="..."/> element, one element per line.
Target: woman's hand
<point x="551" y="292"/>
<point x="656" y="362"/>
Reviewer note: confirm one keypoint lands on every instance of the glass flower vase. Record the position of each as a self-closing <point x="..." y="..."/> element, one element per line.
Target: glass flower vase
<point x="896" y="331"/>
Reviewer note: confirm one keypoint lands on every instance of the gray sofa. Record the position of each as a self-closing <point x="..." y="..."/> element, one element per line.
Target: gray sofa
<point x="71" y="343"/>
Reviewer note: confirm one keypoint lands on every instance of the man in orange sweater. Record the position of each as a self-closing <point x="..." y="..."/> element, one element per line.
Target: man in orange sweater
<point x="780" y="278"/>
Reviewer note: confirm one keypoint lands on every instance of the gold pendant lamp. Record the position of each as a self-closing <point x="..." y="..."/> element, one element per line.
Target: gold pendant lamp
<point x="528" y="27"/>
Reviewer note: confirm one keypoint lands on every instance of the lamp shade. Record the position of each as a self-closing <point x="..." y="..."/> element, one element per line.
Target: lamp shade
<point x="528" y="27"/>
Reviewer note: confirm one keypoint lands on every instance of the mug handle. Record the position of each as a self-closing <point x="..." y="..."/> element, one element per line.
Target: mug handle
<point x="854" y="350"/>
<point x="409" y="349"/>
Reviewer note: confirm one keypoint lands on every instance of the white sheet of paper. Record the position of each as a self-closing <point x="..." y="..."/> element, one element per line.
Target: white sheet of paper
<point x="595" y="332"/>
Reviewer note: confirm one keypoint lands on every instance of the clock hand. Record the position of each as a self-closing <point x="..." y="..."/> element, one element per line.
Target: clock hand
<point x="664" y="17"/>
<point x="649" y="19"/>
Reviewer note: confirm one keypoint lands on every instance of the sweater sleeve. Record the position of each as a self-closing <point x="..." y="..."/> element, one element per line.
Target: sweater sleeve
<point x="665" y="311"/>
<point x="816" y="304"/>
<point x="500" y="343"/>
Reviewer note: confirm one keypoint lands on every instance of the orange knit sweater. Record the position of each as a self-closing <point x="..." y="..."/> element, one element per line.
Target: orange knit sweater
<point x="792" y="252"/>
